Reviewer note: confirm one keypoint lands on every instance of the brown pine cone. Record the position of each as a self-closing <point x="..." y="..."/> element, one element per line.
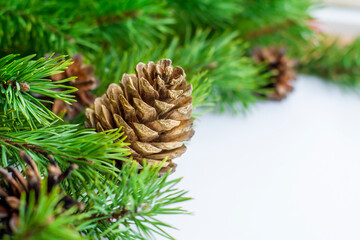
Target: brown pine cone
<point x="153" y="108"/>
<point x="13" y="184"/>
<point x="280" y="66"/>
<point x="85" y="82"/>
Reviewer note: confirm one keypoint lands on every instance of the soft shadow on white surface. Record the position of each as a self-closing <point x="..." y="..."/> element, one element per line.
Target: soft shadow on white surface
<point x="286" y="171"/>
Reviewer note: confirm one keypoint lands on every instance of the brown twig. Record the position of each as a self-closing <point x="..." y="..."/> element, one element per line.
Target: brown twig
<point x="269" y="30"/>
<point x="116" y="215"/>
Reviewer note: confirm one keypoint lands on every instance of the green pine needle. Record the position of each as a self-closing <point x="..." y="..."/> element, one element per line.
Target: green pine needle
<point x="17" y="103"/>
<point x="126" y="206"/>
<point x="45" y="219"/>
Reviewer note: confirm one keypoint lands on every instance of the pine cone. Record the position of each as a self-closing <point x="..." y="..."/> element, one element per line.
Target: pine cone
<point x="153" y="108"/>
<point x="85" y="82"/>
<point x="13" y="184"/>
<point x="282" y="68"/>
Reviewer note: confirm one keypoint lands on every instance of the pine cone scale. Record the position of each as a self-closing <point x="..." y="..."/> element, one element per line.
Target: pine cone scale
<point x="145" y="133"/>
<point x="145" y="148"/>
<point x="167" y="145"/>
<point x="3" y="212"/>
<point x="175" y="153"/>
<point x="147" y="91"/>
<point x="13" y="202"/>
<point x="163" y="125"/>
<point x="183" y="132"/>
<point x="16" y="175"/>
<point x="145" y="112"/>
<point x="14" y="222"/>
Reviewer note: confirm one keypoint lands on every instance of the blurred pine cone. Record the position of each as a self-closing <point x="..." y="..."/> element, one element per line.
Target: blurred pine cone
<point x="13" y="184"/>
<point x="153" y="108"/>
<point x="280" y="66"/>
<point x="85" y="82"/>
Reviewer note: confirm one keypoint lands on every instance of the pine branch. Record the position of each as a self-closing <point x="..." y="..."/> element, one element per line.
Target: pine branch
<point x="282" y="23"/>
<point x="19" y="78"/>
<point x="127" y="205"/>
<point x="79" y="25"/>
<point x="94" y="153"/>
<point x="35" y="208"/>
<point x="206" y="13"/>
<point x="334" y="62"/>
<point x="121" y="206"/>
<point x="201" y="93"/>
<point x="45" y="219"/>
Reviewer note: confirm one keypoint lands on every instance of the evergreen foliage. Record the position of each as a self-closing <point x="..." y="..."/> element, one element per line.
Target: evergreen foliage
<point x="19" y="79"/>
<point x="147" y="30"/>
<point x="210" y="39"/>
<point x="79" y="26"/>
<point x="219" y="60"/>
<point x="92" y="151"/>
<point x="128" y="204"/>
<point x="137" y="197"/>
<point x="45" y="219"/>
<point x="122" y="206"/>
<point x="206" y="13"/>
<point x="334" y="62"/>
<point x="277" y="22"/>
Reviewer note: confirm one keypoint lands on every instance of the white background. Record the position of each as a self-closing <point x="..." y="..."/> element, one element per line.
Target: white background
<point x="285" y="171"/>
